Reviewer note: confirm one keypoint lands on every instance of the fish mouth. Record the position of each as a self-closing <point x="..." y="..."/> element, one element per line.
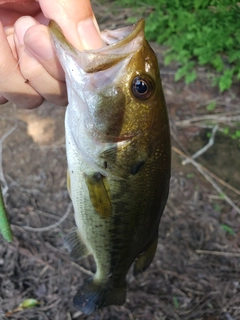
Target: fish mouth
<point x="94" y="74"/>
<point x="119" y="44"/>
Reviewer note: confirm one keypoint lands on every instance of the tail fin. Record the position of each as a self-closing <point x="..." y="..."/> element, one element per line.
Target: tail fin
<point x="93" y="296"/>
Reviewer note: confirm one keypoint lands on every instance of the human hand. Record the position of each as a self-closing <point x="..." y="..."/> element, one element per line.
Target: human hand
<point x="29" y="69"/>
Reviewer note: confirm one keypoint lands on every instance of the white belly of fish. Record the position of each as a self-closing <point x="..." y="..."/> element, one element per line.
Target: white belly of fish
<point x="92" y="228"/>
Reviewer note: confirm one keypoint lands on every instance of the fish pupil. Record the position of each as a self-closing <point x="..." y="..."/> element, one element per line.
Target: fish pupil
<point x="142" y="87"/>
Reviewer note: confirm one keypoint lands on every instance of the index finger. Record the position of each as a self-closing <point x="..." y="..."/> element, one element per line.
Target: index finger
<point x="77" y="21"/>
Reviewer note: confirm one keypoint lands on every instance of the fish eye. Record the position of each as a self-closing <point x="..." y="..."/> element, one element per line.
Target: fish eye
<point x="142" y="87"/>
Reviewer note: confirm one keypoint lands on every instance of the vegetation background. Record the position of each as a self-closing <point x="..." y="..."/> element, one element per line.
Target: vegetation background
<point x="196" y="33"/>
<point x="195" y="273"/>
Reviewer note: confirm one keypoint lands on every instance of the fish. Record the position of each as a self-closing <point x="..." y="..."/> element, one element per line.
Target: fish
<point x="119" y="158"/>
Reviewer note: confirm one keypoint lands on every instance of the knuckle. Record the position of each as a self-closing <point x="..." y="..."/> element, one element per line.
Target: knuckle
<point x="31" y="71"/>
<point x="31" y="102"/>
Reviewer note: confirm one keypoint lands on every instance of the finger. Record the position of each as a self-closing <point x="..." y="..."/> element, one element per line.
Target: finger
<point x="12" y="84"/>
<point x="37" y="41"/>
<point x="29" y="7"/>
<point x="76" y="20"/>
<point x="8" y="18"/>
<point x="2" y="100"/>
<point x="40" y="17"/>
<point x="51" y="89"/>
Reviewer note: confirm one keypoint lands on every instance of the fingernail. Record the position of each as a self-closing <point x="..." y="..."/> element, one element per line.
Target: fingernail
<point x="21" y="26"/>
<point x="89" y="35"/>
<point x="38" y="42"/>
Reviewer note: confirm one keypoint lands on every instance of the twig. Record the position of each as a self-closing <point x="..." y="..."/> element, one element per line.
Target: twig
<point x="50" y="306"/>
<point x="171" y="72"/>
<point x="66" y="258"/>
<point x="2" y="178"/>
<point x="226" y="116"/>
<point x="185" y="154"/>
<point x="15" y="183"/>
<point x="47" y="214"/>
<point x="28" y="254"/>
<point x="224" y="183"/>
<point x="219" y="253"/>
<point x="206" y="102"/>
<point x="228" y="316"/>
<point x="52" y="226"/>
<point x="208" y="178"/>
<point x="205" y="148"/>
<point x="82" y="269"/>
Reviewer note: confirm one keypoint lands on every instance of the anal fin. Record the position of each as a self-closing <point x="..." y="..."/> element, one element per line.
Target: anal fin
<point x="75" y="245"/>
<point x="93" y="296"/>
<point x="144" y="260"/>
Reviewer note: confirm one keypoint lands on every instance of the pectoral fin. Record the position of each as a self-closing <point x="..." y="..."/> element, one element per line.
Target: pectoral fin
<point x="144" y="260"/>
<point x="98" y="195"/>
<point x="74" y="243"/>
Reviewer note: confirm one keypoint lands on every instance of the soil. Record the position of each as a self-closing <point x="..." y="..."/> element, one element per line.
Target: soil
<point x="196" y="271"/>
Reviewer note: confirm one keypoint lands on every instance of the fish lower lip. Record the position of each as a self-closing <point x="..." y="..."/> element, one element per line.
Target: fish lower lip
<point x="123" y="138"/>
<point x="100" y="137"/>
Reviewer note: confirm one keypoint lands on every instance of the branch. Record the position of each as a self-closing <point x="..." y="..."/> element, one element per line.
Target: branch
<point x="205" y="148"/>
<point x="52" y="226"/>
<point x="208" y="178"/>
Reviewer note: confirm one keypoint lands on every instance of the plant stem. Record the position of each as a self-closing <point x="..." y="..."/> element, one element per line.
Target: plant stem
<point x="5" y="228"/>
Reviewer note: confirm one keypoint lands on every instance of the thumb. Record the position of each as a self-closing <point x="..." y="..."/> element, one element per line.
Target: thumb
<point x="76" y="20"/>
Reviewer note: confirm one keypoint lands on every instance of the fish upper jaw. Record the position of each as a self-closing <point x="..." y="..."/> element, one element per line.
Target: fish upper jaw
<point x="119" y="44"/>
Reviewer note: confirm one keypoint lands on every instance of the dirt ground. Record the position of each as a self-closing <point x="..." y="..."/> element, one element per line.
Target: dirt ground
<point x="196" y="271"/>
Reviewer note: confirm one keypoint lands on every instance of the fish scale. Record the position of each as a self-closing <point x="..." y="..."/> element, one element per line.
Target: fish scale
<point x="119" y="158"/>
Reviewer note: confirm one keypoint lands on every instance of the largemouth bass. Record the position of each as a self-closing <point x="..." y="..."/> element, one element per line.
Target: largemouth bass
<point x="118" y="152"/>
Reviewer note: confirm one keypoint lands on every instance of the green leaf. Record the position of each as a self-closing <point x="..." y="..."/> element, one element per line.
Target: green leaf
<point x="226" y="130"/>
<point x="225" y="80"/>
<point x="199" y="31"/>
<point x="227" y="229"/>
<point x="185" y="71"/>
<point x="28" y="303"/>
<point x="217" y="207"/>
<point x="168" y="59"/>
<point x="131" y="20"/>
<point x="190" y="77"/>
<point x="237" y="133"/>
<point x="175" y="302"/>
<point x="218" y="63"/>
<point x="238" y="76"/>
<point x="179" y="74"/>
<point x="211" y="106"/>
